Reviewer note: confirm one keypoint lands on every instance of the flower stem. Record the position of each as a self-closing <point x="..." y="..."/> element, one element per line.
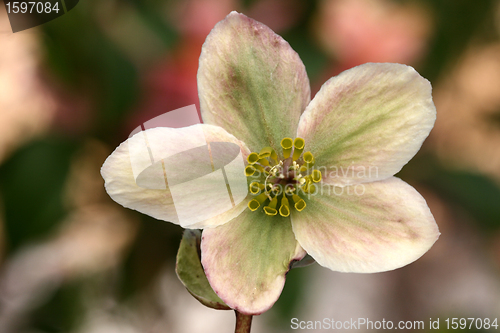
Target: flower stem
<point x="243" y="322"/>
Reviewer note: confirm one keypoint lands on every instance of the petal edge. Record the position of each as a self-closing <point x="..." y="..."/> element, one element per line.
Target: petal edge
<point x="134" y="175"/>
<point x="366" y="123"/>
<point x="247" y="259"/>
<point x="251" y="82"/>
<point x="385" y="227"/>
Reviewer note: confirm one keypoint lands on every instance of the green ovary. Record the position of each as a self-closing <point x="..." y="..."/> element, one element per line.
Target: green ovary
<point x="277" y="184"/>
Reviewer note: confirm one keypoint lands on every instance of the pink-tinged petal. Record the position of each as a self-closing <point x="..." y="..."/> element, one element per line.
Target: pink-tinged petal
<point x="366" y="228"/>
<point x="165" y="172"/>
<point x="246" y="260"/>
<point x="251" y="82"/>
<point x="368" y="122"/>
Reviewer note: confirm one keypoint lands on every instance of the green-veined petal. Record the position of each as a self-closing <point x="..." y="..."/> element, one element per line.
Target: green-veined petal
<point x="366" y="228"/>
<point x="251" y="82"/>
<point x="246" y="260"/>
<point x="367" y="122"/>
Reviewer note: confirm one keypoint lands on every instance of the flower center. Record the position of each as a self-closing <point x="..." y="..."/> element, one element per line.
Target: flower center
<point x="281" y="181"/>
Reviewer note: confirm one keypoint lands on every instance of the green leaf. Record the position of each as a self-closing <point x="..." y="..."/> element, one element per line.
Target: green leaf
<point x="190" y="272"/>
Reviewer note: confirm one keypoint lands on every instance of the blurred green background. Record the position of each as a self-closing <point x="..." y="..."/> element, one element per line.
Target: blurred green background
<point x="71" y="90"/>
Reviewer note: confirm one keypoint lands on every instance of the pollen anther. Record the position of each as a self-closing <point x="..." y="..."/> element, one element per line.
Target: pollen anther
<point x="298" y="147"/>
<point x="287" y="145"/>
<point x="249" y="170"/>
<point x="316" y="176"/>
<point x="253" y="158"/>
<point x="255" y="203"/>
<point x="285" y="206"/>
<point x="308" y="159"/>
<point x="264" y="162"/>
<point x="300" y="204"/>
<point x="256" y="187"/>
<point x="281" y="180"/>
<point x="268" y="152"/>
<point x="271" y="208"/>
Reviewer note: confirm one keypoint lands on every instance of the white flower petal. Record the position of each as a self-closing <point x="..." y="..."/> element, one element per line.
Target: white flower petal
<point x="251" y="82"/>
<point x="366" y="228"/>
<point x="246" y="260"/>
<point x="367" y="122"/>
<point x="181" y="175"/>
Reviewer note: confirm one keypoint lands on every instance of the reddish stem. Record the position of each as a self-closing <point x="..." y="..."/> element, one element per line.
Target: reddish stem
<point x="243" y="322"/>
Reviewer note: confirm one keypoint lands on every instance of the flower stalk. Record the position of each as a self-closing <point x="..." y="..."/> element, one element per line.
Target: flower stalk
<point x="243" y="322"/>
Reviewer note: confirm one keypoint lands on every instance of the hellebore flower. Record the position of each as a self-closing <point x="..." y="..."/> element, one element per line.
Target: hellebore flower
<point x="339" y="200"/>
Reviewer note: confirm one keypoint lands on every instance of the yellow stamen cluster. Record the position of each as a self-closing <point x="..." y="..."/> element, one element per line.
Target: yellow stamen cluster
<point x="281" y="181"/>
